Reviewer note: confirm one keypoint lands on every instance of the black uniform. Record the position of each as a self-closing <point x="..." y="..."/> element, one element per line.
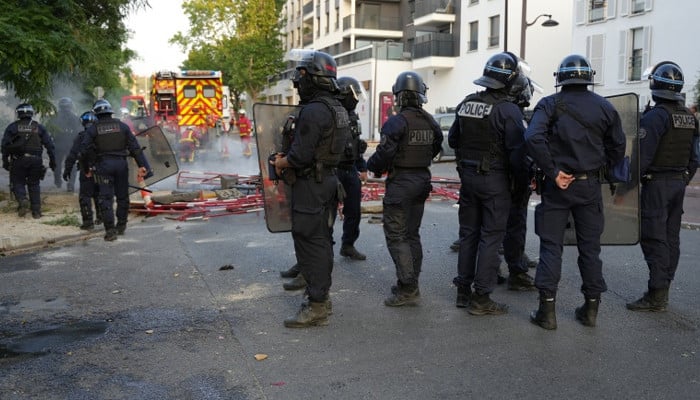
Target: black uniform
<point x="63" y="128"/>
<point x="89" y="192"/>
<point x="112" y="141"/>
<point x="488" y="135"/>
<point x="23" y="144"/>
<point x="577" y="132"/>
<point x="409" y="141"/>
<point x="322" y="129"/>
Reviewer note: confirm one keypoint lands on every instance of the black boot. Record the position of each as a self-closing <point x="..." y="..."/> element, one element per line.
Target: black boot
<point x="404" y="295"/>
<point x="110" y="235"/>
<point x="291" y="272"/>
<point x="297" y="283"/>
<point x="481" y="304"/>
<point x="310" y="314"/>
<point x="348" y="250"/>
<point x="521" y="281"/>
<point x="121" y="227"/>
<point x="588" y="312"/>
<point x="23" y="207"/>
<point x="654" y="300"/>
<point x="463" y="296"/>
<point x="545" y="316"/>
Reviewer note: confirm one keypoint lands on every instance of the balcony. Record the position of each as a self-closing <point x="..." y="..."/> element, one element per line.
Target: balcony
<point x="308" y="8"/>
<point x="433" y="13"/>
<point x="434" y="51"/>
<point x="381" y="51"/>
<point x="373" y="26"/>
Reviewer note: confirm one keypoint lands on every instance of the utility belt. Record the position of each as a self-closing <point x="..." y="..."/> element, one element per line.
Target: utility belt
<point x="17" y="156"/>
<point x="346" y="167"/>
<point x="582" y="176"/>
<point x="111" y="155"/>
<point x="670" y="175"/>
<point x="318" y="172"/>
<point x="481" y="167"/>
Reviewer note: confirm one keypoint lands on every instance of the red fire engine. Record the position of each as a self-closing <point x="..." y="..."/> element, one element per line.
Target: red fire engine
<point x="188" y="99"/>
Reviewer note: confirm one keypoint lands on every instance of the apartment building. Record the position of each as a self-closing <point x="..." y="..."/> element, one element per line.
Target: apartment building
<point x="446" y="41"/>
<point x="623" y="38"/>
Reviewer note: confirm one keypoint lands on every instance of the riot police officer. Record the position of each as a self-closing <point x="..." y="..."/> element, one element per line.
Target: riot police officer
<point x="668" y="139"/>
<point x="352" y="169"/>
<point x="110" y="141"/>
<point x="409" y="141"/>
<point x="23" y="144"/>
<point x="88" y="193"/>
<point x="570" y="147"/>
<point x="63" y="127"/>
<point x="321" y="131"/>
<point x="488" y="135"/>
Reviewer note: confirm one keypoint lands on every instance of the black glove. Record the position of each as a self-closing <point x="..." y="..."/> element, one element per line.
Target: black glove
<point x="66" y="175"/>
<point x="52" y="165"/>
<point x="5" y="165"/>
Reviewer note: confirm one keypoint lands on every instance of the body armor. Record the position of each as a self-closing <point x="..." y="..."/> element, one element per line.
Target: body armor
<point x="32" y="143"/>
<point x="332" y="145"/>
<point x="352" y="147"/>
<point x="110" y="139"/>
<point x="675" y="146"/>
<point x="477" y="143"/>
<point x="416" y="147"/>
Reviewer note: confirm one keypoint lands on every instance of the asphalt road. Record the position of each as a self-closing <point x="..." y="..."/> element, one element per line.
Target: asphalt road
<point x="154" y="316"/>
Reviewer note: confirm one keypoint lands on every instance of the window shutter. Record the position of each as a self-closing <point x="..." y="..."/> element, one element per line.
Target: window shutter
<point x="646" y="34"/>
<point x="648" y="4"/>
<point x="622" y="58"/>
<point x="612" y="7"/>
<point x="624" y="7"/>
<point x="580" y="16"/>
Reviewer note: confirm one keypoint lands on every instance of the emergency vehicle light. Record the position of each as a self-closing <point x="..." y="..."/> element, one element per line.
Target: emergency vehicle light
<point x="198" y="72"/>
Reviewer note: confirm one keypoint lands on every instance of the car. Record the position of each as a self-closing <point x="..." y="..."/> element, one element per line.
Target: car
<point x="445" y="120"/>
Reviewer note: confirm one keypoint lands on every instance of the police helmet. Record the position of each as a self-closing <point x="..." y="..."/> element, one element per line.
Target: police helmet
<point x="500" y="71"/>
<point x="666" y="81"/>
<point x="521" y="91"/>
<point x="321" y="66"/>
<point x="574" y="70"/>
<point x="102" y="106"/>
<point x="88" y="118"/>
<point x="24" y="111"/>
<point x="410" y="85"/>
<point x="65" y="104"/>
<point x="349" y="86"/>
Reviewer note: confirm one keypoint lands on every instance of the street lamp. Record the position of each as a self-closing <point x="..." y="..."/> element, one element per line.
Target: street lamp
<point x="524" y="25"/>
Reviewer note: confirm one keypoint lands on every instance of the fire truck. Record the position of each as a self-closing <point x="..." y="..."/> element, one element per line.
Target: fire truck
<point x="188" y="99"/>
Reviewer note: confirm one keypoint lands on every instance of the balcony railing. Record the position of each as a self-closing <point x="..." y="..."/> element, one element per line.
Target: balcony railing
<point x="426" y="7"/>
<point x="380" y="51"/>
<point x="374" y="22"/>
<point x="434" y="45"/>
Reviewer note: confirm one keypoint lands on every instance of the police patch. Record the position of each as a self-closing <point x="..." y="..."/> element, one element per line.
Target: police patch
<point x="107" y="127"/>
<point x="420" y="137"/>
<point x="474" y="109"/>
<point x="642" y="133"/>
<point x="683" y="121"/>
<point x="25" y="128"/>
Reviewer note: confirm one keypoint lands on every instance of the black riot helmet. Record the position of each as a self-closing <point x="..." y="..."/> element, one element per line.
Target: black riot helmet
<point x="574" y="70"/>
<point x="321" y="67"/>
<point x="500" y="71"/>
<point x="102" y="107"/>
<point x="351" y="92"/>
<point x="409" y="90"/>
<point x="666" y="81"/>
<point x="24" y="111"/>
<point x="65" y="104"/>
<point x="88" y="118"/>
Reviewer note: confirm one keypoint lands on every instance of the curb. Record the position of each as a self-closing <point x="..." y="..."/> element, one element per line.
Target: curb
<point x="58" y="241"/>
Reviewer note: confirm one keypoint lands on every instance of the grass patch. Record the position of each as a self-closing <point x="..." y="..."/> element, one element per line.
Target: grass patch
<point x="67" y="219"/>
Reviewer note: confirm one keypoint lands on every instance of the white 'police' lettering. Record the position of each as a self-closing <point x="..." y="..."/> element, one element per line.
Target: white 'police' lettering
<point x="683" y="121"/>
<point x="420" y="137"/>
<point x="107" y="127"/>
<point x="474" y="109"/>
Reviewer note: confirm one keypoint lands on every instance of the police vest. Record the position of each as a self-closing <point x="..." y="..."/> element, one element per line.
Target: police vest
<point x="416" y="146"/>
<point x="476" y="140"/>
<point x="27" y="139"/>
<point x="352" y="147"/>
<point x="110" y="139"/>
<point x="332" y="144"/>
<point x="675" y="145"/>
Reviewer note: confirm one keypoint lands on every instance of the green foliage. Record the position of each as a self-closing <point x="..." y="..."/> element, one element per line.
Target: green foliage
<point x="76" y="41"/>
<point x="240" y="38"/>
<point x="67" y="219"/>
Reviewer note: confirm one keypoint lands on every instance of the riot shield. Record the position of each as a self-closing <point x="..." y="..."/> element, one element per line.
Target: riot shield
<point x="159" y="155"/>
<point x="622" y="215"/>
<point x="270" y="121"/>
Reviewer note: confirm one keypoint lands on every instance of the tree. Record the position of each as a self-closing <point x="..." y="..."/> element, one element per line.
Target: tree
<point x="238" y="37"/>
<point x="696" y="99"/>
<point x="46" y="43"/>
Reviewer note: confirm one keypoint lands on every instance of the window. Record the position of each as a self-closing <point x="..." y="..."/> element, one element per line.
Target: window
<point x="635" y="65"/>
<point x="494" y="38"/>
<point x="637" y="6"/>
<point x="189" y="91"/>
<point x="209" y="91"/>
<point x="597" y="11"/>
<point x="595" y="50"/>
<point x="473" y="36"/>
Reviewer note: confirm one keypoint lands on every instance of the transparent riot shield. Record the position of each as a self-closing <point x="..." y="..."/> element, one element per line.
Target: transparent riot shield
<point x="272" y="123"/>
<point x="620" y="200"/>
<point x="159" y="155"/>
